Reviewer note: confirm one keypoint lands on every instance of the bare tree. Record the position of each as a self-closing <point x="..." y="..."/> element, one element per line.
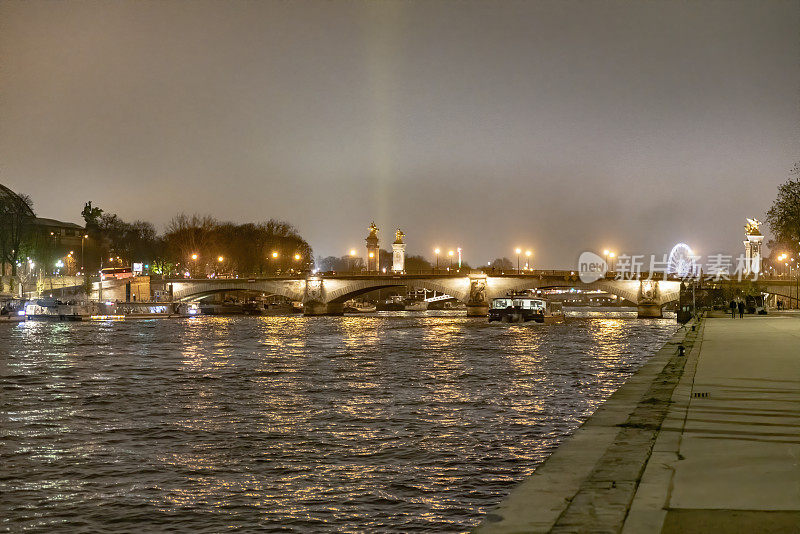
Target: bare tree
<point x="16" y="229"/>
<point x="783" y="217"/>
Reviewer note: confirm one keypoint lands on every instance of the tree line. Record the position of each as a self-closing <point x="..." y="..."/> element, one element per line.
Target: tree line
<point x="196" y="245"/>
<point x="199" y="245"/>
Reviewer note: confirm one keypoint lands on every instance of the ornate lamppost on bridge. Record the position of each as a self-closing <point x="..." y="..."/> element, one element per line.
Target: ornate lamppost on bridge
<point x="398" y="252"/>
<point x="373" y="249"/>
<point x="752" y="246"/>
<point x="607" y="254"/>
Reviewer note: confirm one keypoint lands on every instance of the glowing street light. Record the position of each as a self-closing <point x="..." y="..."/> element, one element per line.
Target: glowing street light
<point x="451" y="254"/>
<point x="85" y="236"/>
<point x="612" y="255"/>
<point x="437" y="251"/>
<point x="275" y="254"/>
<point x="194" y="257"/>
<point x="528" y="259"/>
<point x="297" y="257"/>
<point x="352" y="259"/>
<point x="220" y="259"/>
<point x="518" y="251"/>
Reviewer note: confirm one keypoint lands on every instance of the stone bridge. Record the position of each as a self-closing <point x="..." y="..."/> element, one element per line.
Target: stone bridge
<point x="326" y="294"/>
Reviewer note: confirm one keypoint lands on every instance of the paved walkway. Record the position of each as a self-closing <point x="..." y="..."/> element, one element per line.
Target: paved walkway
<point x="727" y="458"/>
<point x="705" y="443"/>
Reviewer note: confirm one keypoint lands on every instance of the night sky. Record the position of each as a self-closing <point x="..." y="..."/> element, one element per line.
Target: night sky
<point x="561" y="127"/>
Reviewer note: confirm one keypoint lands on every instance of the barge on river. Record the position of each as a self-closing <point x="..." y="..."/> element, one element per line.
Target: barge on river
<point x="522" y="309"/>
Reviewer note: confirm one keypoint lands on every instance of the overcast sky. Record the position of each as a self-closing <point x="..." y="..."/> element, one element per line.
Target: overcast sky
<point x="561" y="127"/>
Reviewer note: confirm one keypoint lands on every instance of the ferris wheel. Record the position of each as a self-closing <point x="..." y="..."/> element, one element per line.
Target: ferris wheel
<point x="681" y="260"/>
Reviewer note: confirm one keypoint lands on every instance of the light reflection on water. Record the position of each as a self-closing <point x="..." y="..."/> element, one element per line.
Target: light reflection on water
<point x="380" y="423"/>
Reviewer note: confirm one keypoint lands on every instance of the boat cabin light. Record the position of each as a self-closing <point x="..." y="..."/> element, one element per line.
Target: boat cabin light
<point x="501" y="303"/>
<point x="524" y="303"/>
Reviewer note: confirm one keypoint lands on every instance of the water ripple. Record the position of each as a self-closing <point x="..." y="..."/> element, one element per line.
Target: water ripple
<point x="288" y="424"/>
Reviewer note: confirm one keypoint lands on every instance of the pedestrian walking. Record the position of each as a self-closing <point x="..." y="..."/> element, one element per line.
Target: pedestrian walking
<point x="733" y="309"/>
<point x="741" y="309"/>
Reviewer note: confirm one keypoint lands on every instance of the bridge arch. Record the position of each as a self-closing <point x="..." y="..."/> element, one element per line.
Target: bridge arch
<point x="193" y="290"/>
<point x="457" y="288"/>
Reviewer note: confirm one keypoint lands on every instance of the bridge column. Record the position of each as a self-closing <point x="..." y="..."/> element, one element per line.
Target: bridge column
<point x="649" y="303"/>
<point x="477" y="304"/>
<point x="314" y="299"/>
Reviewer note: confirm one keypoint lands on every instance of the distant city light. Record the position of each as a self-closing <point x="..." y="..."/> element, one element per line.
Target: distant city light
<point x="275" y="254"/>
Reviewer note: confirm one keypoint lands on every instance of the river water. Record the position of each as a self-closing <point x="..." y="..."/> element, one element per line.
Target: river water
<point x="393" y="422"/>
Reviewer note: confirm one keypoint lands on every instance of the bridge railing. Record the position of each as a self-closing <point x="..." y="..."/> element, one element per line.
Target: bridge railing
<point x="527" y="273"/>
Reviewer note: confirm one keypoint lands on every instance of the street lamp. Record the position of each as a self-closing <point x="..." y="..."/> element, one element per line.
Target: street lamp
<point x="450" y="253"/>
<point x="437" y="251"/>
<point x="275" y="254"/>
<point x="297" y="257"/>
<point x="528" y="259"/>
<point x="352" y="259"/>
<point x="85" y="236"/>
<point x="518" y="251"/>
<point x="611" y="255"/>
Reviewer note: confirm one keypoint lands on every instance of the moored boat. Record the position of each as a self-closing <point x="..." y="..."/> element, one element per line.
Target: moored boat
<point x="354" y="306"/>
<point x="393" y="303"/>
<point x="53" y="310"/>
<point x="416" y="305"/>
<point x="522" y="309"/>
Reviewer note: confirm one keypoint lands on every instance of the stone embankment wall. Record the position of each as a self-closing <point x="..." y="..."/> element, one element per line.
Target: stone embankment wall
<point x="588" y="483"/>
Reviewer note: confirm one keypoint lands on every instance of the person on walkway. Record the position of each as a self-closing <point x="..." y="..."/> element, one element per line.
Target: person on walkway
<point x="733" y="309"/>
<point x="741" y="309"/>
